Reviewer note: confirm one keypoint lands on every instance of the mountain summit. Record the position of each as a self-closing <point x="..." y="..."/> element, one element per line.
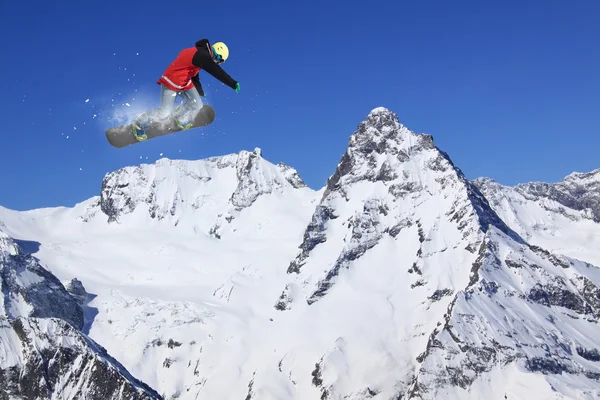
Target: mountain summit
<point x="170" y="187"/>
<point x="400" y="228"/>
<point x="388" y="180"/>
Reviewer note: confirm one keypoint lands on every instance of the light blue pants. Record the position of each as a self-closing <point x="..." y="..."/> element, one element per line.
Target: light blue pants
<point x="191" y="103"/>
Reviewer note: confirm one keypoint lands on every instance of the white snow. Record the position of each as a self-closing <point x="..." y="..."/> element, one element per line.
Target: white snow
<point x="24" y="348"/>
<point x="165" y="269"/>
<point x="547" y="223"/>
<point x="186" y="276"/>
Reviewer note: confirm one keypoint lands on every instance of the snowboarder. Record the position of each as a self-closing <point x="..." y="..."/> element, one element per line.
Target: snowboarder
<point x="181" y="78"/>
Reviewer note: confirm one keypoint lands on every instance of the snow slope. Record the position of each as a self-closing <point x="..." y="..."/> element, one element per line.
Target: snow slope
<point x="229" y="278"/>
<point x="524" y="310"/>
<point x="179" y="255"/>
<point x="563" y="217"/>
<point x="42" y="352"/>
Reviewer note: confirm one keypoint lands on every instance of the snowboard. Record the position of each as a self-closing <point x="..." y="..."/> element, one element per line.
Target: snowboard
<point x="121" y="136"/>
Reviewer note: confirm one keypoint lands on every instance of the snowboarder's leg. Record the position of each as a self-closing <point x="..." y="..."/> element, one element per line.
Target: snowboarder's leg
<point x="167" y="100"/>
<point x="184" y="113"/>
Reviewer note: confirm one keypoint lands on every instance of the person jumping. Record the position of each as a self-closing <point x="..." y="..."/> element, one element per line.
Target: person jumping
<point x="182" y="78"/>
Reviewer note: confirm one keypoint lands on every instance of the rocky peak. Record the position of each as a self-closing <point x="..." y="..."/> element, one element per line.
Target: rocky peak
<point x="576" y="196"/>
<point x="29" y="290"/>
<point x="591" y="178"/>
<point x="389" y="181"/>
<point x="376" y="148"/>
<point x="578" y="191"/>
<point x="291" y="175"/>
<point x="168" y="186"/>
<point x="256" y="176"/>
<point x="8" y="247"/>
<point x="384" y="150"/>
<point x="76" y="289"/>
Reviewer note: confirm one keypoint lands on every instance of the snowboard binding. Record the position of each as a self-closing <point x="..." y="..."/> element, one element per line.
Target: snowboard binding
<point x="182" y="125"/>
<point x="138" y="132"/>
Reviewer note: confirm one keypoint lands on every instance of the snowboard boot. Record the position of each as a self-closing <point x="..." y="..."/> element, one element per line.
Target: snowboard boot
<point x="139" y="132"/>
<point x="184" y="123"/>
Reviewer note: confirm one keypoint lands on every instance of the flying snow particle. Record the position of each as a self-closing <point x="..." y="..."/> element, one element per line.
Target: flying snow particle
<point x="137" y="54"/>
<point x="87" y="100"/>
<point x="127" y="104"/>
<point x="161" y="154"/>
<point x="67" y="136"/>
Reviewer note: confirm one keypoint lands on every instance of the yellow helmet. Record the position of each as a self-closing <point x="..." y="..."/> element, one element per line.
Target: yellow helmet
<point x="221" y="49"/>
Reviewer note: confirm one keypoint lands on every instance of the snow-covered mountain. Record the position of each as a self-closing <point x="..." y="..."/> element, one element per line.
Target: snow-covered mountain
<point x="181" y="257"/>
<point x="563" y="217"/>
<point x="174" y="188"/>
<point x="410" y="249"/>
<point x="230" y="278"/>
<point x="43" y="353"/>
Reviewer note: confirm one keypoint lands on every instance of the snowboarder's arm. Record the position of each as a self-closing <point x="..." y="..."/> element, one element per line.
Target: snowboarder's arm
<point x="198" y="85"/>
<point x="203" y="60"/>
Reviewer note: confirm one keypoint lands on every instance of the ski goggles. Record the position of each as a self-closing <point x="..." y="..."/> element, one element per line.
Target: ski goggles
<point x="217" y="57"/>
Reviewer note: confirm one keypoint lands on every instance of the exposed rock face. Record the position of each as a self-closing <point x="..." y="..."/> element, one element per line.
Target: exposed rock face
<point x="521" y="306"/>
<point x="29" y="290"/>
<point x="408" y="281"/>
<point x="48" y="359"/>
<point x="562" y="217"/>
<point x="43" y="353"/>
<point x="579" y="192"/>
<point x="490" y="299"/>
<point x="76" y="289"/>
<point x="291" y="175"/>
<point x="169" y="187"/>
<point x="386" y="175"/>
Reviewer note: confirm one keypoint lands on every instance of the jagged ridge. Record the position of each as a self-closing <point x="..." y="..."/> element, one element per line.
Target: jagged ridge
<point x="406" y="284"/>
<point x="405" y="165"/>
<point x="168" y="186"/>
<point x="43" y="353"/>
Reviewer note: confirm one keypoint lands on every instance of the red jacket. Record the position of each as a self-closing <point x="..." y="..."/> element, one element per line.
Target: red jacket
<point x="178" y="75"/>
<point x="182" y="74"/>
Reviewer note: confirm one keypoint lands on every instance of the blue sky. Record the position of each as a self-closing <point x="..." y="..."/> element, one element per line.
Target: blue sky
<point x="511" y="89"/>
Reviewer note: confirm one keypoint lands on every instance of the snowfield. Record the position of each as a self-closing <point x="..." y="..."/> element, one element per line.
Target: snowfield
<point x="229" y="278"/>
